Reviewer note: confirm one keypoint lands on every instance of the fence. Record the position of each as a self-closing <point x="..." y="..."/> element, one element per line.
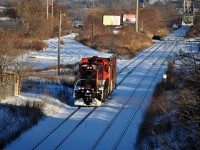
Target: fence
<point x="9" y="85"/>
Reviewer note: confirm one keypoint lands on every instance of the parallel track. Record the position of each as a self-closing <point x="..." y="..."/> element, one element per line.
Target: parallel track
<point x="125" y="103"/>
<point x="128" y="99"/>
<point x="92" y="110"/>
<point x="76" y="110"/>
<point x="67" y="118"/>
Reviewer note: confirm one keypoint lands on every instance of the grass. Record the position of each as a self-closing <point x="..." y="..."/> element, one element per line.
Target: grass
<point x="127" y="41"/>
<point x="53" y="89"/>
<point x="68" y="74"/>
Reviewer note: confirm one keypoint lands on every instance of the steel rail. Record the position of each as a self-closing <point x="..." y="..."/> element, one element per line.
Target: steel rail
<point x="69" y="116"/>
<point x="76" y="127"/>
<point x="123" y="106"/>
<point x="146" y="92"/>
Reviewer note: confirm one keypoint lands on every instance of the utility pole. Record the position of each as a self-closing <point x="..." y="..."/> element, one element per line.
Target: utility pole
<point x="93" y="23"/>
<point x="188" y="6"/>
<point x="47" y="8"/>
<point x="52" y="15"/>
<point x="188" y="12"/>
<point x="184" y="7"/>
<point x="137" y="7"/>
<point x="59" y="35"/>
<point x="93" y="4"/>
<point x="92" y="28"/>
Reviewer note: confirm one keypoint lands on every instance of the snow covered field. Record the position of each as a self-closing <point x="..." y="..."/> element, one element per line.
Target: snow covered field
<point x="71" y="53"/>
<point x="115" y="124"/>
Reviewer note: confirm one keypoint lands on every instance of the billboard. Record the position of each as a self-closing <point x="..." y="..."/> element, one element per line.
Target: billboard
<point x="129" y="18"/>
<point x="109" y="20"/>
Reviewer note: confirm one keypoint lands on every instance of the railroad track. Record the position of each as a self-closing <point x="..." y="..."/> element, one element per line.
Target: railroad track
<point x="59" y="125"/>
<point x="72" y="138"/>
<point x="42" y="142"/>
<point x="58" y="146"/>
<point x="105" y="133"/>
<point x="91" y="110"/>
<point x="102" y="138"/>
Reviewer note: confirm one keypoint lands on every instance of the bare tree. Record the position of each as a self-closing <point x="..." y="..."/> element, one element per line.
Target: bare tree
<point x="32" y="17"/>
<point x="33" y="21"/>
<point x="6" y="51"/>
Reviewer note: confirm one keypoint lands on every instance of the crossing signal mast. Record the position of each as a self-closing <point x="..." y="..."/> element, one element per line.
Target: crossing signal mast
<point x="188" y="13"/>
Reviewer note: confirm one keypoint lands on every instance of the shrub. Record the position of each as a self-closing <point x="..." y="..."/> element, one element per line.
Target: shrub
<point x="172" y="119"/>
<point x="38" y="45"/>
<point x="15" y="120"/>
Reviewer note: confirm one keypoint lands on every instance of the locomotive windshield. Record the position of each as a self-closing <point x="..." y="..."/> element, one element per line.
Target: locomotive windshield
<point x="89" y="74"/>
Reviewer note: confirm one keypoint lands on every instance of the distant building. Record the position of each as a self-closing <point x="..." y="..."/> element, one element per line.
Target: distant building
<point x="4" y="2"/>
<point x="8" y="19"/>
<point x="77" y="23"/>
<point x="6" y="13"/>
<point x="3" y="9"/>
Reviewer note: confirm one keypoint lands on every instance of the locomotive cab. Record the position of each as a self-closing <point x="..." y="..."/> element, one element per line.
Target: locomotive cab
<point x="93" y="86"/>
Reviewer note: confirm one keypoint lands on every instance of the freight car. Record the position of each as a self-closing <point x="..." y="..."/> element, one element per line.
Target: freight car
<point x="97" y="80"/>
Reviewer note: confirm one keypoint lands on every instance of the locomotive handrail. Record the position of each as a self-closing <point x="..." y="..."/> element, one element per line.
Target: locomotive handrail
<point x="75" y="86"/>
<point x="99" y="82"/>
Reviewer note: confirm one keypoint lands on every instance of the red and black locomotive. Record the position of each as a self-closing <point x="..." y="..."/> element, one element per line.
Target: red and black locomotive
<point x="97" y="80"/>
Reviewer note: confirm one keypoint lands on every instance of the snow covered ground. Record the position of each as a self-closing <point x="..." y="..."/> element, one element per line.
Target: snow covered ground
<point x="161" y="1"/>
<point x="134" y="93"/>
<point x="71" y="53"/>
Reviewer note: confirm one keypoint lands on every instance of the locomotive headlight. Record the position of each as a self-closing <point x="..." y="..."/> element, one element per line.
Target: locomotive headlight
<point x="89" y="67"/>
<point x="88" y="92"/>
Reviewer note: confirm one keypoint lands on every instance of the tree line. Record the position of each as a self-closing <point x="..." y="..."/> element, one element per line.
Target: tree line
<point x="32" y="26"/>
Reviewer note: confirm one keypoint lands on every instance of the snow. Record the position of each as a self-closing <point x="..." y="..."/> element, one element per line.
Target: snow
<point x="70" y="53"/>
<point x="139" y="84"/>
<point x="161" y="1"/>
